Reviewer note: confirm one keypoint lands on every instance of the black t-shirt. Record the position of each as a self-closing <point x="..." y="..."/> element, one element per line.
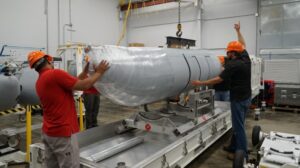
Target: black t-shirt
<point x="239" y="72"/>
<point x="225" y="84"/>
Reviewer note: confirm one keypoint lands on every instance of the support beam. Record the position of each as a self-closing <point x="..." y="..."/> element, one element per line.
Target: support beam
<point x="147" y="3"/>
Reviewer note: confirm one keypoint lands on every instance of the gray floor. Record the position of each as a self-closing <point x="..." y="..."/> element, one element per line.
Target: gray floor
<point x="212" y="158"/>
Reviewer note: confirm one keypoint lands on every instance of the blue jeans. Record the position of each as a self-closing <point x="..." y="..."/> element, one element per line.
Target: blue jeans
<point x="222" y="95"/>
<point x="238" y="115"/>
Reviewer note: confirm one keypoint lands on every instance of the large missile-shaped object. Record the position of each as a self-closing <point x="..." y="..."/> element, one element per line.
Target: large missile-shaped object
<point x="140" y="76"/>
<point x="28" y="94"/>
<point x="9" y="91"/>
<point x="19" y="89"/>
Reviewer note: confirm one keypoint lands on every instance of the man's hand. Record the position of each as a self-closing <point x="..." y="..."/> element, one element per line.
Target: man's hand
<point x="86" y="83"/>
<point x="241" y="39"/>
<point x="86" y="68"/>
<point x="102" y="67"/>
<point x="237" y="26"/>
<point x="197" y="83"/>
<point x="212" y="81"/>
<point x="87" y="58"/>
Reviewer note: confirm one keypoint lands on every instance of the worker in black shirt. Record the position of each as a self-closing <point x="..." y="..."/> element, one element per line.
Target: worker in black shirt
<point x="222" y="89"/>
<point x="238" y="70"/>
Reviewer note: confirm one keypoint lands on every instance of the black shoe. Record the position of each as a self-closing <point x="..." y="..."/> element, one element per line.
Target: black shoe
<point x="230" y="156"/>
<point x="227" y="149"/>
<point x="94" y="125"/>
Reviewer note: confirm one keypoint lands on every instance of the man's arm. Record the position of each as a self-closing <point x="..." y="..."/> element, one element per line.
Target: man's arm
<point x="241" y="39"/>
<point x="89" y="82"/>
<point x="84" y="73"/>
<point x="212" y="81"/>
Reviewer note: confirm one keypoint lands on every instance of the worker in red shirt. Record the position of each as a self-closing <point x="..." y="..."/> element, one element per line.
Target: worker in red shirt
<point x="55" y="90"/>
<point x="91" y="97"/>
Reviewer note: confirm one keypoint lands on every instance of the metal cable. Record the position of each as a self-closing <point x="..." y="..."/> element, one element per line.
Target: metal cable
<point x="179" y="32"/>
<point x="179" y="11"/>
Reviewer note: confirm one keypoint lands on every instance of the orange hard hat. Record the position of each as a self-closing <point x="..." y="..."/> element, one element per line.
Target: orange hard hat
<point x="235" y="46"/>
<point x="34" y="56"/>
<point x="222" y="59"/>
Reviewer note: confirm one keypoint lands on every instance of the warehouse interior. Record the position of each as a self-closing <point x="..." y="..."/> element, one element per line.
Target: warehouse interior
<point x="134" y="83"/>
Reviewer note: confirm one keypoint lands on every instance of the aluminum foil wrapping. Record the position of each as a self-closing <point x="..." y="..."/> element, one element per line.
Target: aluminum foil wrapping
<point x="140" y="76"/>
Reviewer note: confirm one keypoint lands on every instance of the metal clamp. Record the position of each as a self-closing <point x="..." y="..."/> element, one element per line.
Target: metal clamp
<point x="200" y="138"/>
<point x="185" y="151"/>
<point x="224" y="124"/>
<point x="121" y="165"/>
<point x="164" y="162"/>
<point x="41" y="157"/>
<point x="214" y="129"/>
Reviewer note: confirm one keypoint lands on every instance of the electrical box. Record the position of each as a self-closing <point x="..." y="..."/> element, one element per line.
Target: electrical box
<point x="287" y="94"/>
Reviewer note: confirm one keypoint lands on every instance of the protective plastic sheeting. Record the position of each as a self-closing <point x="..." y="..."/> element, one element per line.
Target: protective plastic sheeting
<point x="144" y="75"/>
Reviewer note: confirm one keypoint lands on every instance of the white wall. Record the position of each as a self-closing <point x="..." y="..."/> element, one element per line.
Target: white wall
<point x="23" y="23"/>
<point x="212" y="28"/>
<point x="219" y="18"/>
<point x="152" y="28"/>
<point x="97" y="21"/>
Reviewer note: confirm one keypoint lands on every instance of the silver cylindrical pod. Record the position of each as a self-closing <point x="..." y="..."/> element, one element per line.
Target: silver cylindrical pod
<point x="28" y="94"/>
<point x="144" y="75"/>
<point x="9" y="91"/>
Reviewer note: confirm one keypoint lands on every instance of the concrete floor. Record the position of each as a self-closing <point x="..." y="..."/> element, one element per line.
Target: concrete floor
<point x="214" y="157"/>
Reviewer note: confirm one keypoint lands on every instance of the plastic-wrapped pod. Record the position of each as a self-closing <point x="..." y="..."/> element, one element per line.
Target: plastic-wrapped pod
<point x="28" y="94"/>
<point x="144" y="75"/>
<point x="9" y="91"/>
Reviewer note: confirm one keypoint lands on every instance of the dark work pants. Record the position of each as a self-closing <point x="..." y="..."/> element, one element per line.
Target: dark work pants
<point x="91" y="104"/>
<point x="238" y="115"/>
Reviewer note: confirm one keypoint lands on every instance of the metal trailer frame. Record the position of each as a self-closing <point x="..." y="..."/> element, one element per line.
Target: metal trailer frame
<point x="277" y="150"/>
<point x="190" y="133"/>
<point x="121" y="145"/>
<point x="177" y="154"/>
<point x="186" y="149"/>
<point x="17" y="157"/>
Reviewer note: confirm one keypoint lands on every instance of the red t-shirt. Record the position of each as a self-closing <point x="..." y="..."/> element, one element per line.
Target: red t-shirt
<point x="54" y="88"/>
<point x="91" y="90"/>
